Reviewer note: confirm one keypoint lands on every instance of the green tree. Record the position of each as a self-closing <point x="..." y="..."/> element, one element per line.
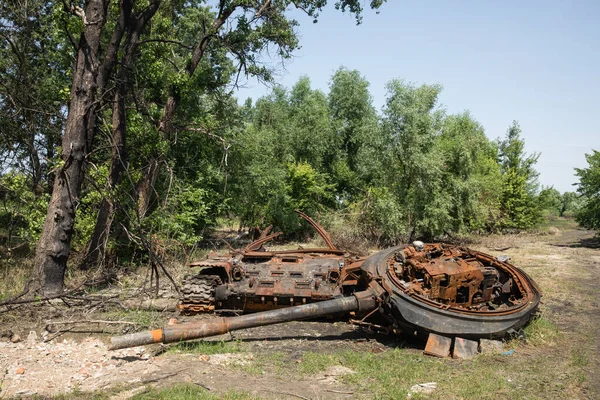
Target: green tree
<point x="570" y="204"/>
<point x="309" y="133"/>
<point x="354" y="119"/>
<point x="34" y="60"/>
<point x="588" y="215"/>
<point x="282" y="164"/>
<point x="518" y="204"/>
<point x="551" y="201"/>
<point x="228" y="30"/>
<point x="412" y="164"/>
<point x="470" y="175"/>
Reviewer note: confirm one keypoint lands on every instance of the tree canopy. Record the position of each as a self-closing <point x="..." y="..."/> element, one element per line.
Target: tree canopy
<point x="122" y="135"/>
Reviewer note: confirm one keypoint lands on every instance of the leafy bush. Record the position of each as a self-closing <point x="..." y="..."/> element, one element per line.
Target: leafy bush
<point x="589" y="188"/>
<point x="185" y="215"/>
<point x="23" y="212"/>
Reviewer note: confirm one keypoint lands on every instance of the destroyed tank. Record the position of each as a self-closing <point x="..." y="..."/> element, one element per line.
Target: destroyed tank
<point x="254" y="279"/>
<point x="418" y="289"/>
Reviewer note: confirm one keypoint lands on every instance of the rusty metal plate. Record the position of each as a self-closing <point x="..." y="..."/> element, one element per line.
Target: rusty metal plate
<point x="438" y="345"/>
<point x="464" y="348"/>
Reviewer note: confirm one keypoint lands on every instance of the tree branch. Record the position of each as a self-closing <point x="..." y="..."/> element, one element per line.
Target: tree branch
<point x="207" y="132"/>
<point x="166" y="41"/>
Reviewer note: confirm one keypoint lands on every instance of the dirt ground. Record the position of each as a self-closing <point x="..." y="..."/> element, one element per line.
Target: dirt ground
<point x="566" y="265"/>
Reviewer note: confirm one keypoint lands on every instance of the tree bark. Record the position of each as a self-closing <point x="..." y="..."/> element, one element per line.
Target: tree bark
<point x="52" y="251"/>
<point x="96" y="248"/>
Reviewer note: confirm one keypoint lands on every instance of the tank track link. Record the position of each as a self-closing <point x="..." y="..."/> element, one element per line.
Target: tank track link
<point x="198" y="294"/>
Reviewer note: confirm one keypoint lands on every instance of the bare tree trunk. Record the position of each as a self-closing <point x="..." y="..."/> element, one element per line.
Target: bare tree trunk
<point x="52" y="251"/>
<point x="97" y="244"/>
<point x="96" y="248"/>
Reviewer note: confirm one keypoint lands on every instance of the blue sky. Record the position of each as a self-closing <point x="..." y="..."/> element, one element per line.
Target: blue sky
<point x="536" y="62"/>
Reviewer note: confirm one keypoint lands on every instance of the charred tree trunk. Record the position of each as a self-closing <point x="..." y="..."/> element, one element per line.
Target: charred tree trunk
<point x="53" y="248"/>
<point x="96" y="248"/>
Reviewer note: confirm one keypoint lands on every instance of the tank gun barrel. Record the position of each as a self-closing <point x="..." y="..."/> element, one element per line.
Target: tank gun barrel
<point x="364" y="301"/>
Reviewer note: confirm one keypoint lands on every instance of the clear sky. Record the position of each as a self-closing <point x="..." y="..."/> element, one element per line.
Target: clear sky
<point x="537" y="62"/>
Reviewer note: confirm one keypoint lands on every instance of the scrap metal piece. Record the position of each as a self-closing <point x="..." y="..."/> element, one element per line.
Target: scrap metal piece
<point x="320" y="230"/>
<point x="417" y="303"/>
<point x="438" y="346"/>
<point x="464" y="348"/>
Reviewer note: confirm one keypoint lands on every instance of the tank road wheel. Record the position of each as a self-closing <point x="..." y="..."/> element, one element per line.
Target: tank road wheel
<point x="198" y="294"/>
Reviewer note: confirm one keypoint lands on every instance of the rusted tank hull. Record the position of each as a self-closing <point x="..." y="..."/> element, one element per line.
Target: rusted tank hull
<point x="254" y="279"/>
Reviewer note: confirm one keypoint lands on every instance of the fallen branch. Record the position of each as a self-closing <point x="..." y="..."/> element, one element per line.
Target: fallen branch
<point x="289" y="394"/>
<point x="57" y="334"/>
<point x="202" y="386"/>
<point x="337" y="391"/>
<point x="25" y="301"/>
<point x="92" y="321"/>
<point x="163" y="376"/>
<point x="500" y="248"/>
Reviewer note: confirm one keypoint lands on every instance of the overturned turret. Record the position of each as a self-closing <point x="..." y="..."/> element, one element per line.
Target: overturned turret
<point x="451" y="290"/>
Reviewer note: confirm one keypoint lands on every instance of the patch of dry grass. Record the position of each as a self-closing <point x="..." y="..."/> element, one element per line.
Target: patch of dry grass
<point x="14" y="273"/>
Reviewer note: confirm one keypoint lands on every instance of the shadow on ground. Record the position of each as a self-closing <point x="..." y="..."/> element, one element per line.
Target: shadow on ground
<point x="588" y="243"/>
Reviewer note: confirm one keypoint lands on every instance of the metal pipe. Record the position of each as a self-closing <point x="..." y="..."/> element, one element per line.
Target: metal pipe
<point x="363" y="301"/>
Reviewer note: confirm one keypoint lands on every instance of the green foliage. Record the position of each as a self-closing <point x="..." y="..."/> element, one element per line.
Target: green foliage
<point x="280" y="162"/>
<point x="551" y="201"/>
<point x="412" y="162"/>
<point x="571" y="203"/>
<point x="416" y="172"/>
<point x="381" y="215"/>
<point x="185" y="214"/>
<point x="471" y="175"/>
<point x="354" y="119"/>
<point x="22" y="213"/>
<point x="519" y="206"/>
<point x="34" y="58"/>
<point x="411" y="171"/>
<point x="86" y="212"/>
<point x="588" y="215"/>
<point x="519" y="210"/>
<point x="307" y="188"/>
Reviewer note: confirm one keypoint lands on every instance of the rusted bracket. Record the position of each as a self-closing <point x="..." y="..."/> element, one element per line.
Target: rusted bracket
<point x="320" y="230"/>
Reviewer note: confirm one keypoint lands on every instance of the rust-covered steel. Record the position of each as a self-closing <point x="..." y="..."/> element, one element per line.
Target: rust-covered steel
<point x="365" y="301"/>
<point x="494" y="303"/>
<point x="253" y="279"/>
<point x="420" y="289"/>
